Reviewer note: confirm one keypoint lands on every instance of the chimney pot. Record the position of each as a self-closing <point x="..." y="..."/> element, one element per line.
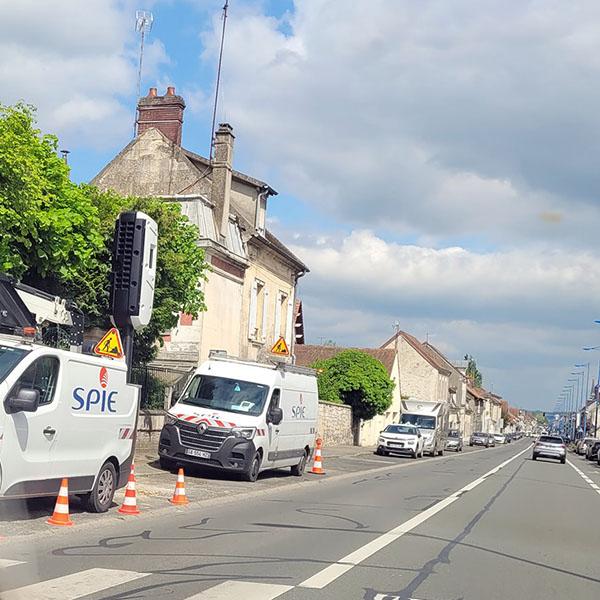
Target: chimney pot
<point x="170" y="91"/>
<point x="152" y="93"/>
<point x="164" y="113"/>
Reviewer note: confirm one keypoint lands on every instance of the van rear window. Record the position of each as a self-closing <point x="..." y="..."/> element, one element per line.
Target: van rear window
<point x="9" y="359"/>
<point x="230" y="395"/>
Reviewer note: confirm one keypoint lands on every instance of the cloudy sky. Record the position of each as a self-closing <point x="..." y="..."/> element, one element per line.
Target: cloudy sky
<point x="437" y="161"/>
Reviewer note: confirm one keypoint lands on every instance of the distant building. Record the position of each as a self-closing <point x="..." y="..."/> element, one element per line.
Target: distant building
<point x="251" y="288"/>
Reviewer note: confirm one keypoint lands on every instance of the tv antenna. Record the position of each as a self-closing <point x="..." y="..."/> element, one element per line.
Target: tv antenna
<point x="214" y="116"/>
<point x="143" y="24"/>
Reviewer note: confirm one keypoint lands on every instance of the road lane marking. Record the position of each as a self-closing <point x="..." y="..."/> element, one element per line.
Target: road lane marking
<point x="338" y="568"/>
<point x="247" y="590"/>
<point x="5" y="562"/>
<point x="585" y="477"/>
<point x="71" y="587"/>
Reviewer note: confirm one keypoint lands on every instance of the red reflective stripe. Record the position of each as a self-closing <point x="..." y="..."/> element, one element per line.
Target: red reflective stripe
<point x="220" y="424"/>
<point x="190" y="418"/>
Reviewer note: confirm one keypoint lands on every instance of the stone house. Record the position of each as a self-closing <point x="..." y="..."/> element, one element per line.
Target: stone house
<point x="251" y="288"/>
<point x="460" y="412"/>
<point x="367" y="431"/>
<point x="422" y="374"/>
<point x="495" y="412"/>
<point x="482" y="419"/>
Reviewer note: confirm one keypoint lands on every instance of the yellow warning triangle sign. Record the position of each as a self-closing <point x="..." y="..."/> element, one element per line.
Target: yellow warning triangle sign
<point x="280" y="347"/>
<point x="110" y="344"/>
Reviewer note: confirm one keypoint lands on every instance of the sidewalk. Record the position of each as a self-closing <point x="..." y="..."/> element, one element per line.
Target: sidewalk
<point x="155" y="488"/>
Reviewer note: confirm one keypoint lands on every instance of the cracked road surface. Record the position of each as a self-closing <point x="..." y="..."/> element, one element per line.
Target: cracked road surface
<point x="491" y="524"/>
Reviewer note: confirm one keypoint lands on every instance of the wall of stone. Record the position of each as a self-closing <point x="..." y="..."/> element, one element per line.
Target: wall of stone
<point x="335" y="424"/>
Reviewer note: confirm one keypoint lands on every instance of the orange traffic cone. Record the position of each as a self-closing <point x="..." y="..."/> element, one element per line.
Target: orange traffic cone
<point x="60" y="516"/>
<point x="317" y="468"/>
<point x="129" y="506"/>
<point x="179" y="496"/>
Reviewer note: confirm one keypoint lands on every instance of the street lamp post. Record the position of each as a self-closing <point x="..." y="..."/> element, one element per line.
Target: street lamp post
<point x="572" y="396"/>
<point x="597" y="391"/>
<point x="586" y="395"/>
<point x="578" y="397"/>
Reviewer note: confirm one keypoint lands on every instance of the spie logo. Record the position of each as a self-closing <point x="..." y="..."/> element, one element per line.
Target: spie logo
<point x="103" y="377"/>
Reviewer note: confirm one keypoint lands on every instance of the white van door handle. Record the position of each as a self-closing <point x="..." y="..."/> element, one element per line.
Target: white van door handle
<point x="49" y="431"/>
<point x="277" y="430"/>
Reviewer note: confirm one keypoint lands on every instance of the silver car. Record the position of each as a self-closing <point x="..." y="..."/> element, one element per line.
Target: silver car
<point x="550" y="446"/>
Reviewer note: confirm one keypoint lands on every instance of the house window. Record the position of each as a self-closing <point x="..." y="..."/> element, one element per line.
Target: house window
<point x="258" y="311"/>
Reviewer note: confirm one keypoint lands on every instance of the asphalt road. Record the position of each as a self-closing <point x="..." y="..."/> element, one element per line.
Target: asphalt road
<point x="491" y="524"/>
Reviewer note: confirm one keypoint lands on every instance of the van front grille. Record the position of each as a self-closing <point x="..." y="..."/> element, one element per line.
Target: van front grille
<point x="210" y="441"/>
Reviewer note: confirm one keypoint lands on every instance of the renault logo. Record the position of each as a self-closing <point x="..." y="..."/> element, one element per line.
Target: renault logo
<point x="202" y="427"/>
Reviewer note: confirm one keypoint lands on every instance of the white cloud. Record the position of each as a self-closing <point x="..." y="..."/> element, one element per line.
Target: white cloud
<point x="519" y="312"/>
<point x="430" y="118"/>
<point x="77" y="63"/>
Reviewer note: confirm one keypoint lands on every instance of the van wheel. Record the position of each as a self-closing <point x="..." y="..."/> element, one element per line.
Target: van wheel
<point x="441" y="452"/>
<point x="251" y="473"/>
<point x="101" y="496"/>
<point x="298" y="470"/>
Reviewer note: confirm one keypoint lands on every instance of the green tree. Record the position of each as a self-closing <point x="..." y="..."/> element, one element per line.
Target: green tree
<point x="472" y="371"/>
<point x="57" y="236"/>
<point x="48" y="224"/>
<point x="353" y="377"/>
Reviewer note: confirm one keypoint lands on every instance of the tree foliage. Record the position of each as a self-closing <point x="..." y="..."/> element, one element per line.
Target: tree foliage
<point x="353" y="377"/>
<point x="472" y="371"/>
<point x="57" y="235"/>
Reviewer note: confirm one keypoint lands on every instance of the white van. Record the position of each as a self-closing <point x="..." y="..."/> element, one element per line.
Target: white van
<point x="432" y="420"/>
<point x="64" y="414"/>
<point x="243" y="416"/>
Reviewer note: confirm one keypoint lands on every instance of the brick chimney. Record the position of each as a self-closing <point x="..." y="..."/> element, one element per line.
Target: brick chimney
<point x="165" y="113"/>
<point x="221" y="176"/>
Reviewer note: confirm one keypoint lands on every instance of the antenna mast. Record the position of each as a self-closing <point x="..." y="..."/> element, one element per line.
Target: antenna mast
<point x="214" y="116"/>
<point x="143" y="24"/>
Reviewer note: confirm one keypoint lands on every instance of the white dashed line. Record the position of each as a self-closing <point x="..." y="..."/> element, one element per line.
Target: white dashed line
<point x="585" y="478"/>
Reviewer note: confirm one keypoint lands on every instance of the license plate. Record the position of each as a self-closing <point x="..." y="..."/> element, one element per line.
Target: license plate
<point x="398" y="444"/>
<point x="198" y="453"/>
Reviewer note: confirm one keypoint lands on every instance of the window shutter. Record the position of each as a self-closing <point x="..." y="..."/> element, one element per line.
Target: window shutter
<point x="263" y="332"/>
<point x="277" y="327"/>
<point x="252" y="311"/>
<point x="289" y="326"/>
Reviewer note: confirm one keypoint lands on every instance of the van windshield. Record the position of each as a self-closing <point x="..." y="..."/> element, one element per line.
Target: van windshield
<point x="420" y="421"/>
<point x="220" y="393"/>
<point x="9" y="358"/>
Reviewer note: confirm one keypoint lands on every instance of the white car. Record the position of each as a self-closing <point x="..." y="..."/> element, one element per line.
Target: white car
<point x="499" y="438"/>
<point x="401" y="439"/>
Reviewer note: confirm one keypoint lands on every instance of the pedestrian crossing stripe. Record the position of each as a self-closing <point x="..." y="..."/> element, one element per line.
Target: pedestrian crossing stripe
<point x="110" y="345"/>
<point x="71" y="587"/>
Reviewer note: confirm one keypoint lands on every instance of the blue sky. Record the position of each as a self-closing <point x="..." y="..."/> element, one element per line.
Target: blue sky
<point x="436" y="162"/>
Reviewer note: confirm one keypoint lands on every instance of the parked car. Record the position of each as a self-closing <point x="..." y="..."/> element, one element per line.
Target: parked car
<point x="454" y="441"/>
<point x="583" y="444"/>
<point x="479" y="439"/>
<point x="499" y="438"/>
<point x="591" y="451"/>
<point x="401" y="439"/>
<point x="492" y="440"/>
<point x="550" y="446"/>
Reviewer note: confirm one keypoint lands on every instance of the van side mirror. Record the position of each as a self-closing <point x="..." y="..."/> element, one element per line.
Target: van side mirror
<point x="275" y="416"/>
<point x="26" y="400"/>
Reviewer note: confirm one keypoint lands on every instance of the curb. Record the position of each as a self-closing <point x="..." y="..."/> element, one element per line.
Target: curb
<point x="306" y="481"/>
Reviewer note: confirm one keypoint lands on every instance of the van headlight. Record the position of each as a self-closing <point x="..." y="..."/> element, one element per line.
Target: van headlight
<point x="244" y="432"/>
<point x="170" y="419"/>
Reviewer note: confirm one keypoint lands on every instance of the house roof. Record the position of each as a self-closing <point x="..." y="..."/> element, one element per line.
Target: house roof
<point x="203" y="164"/>
<point x="430" y="356"/>
<point x="478" y="392"/>
<point x="437" y="354"/>
<point x="307" y="354"/>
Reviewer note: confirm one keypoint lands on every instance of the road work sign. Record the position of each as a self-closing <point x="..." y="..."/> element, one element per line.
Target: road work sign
<point x="110" y="344"/>
<point x="280" y="347"/>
